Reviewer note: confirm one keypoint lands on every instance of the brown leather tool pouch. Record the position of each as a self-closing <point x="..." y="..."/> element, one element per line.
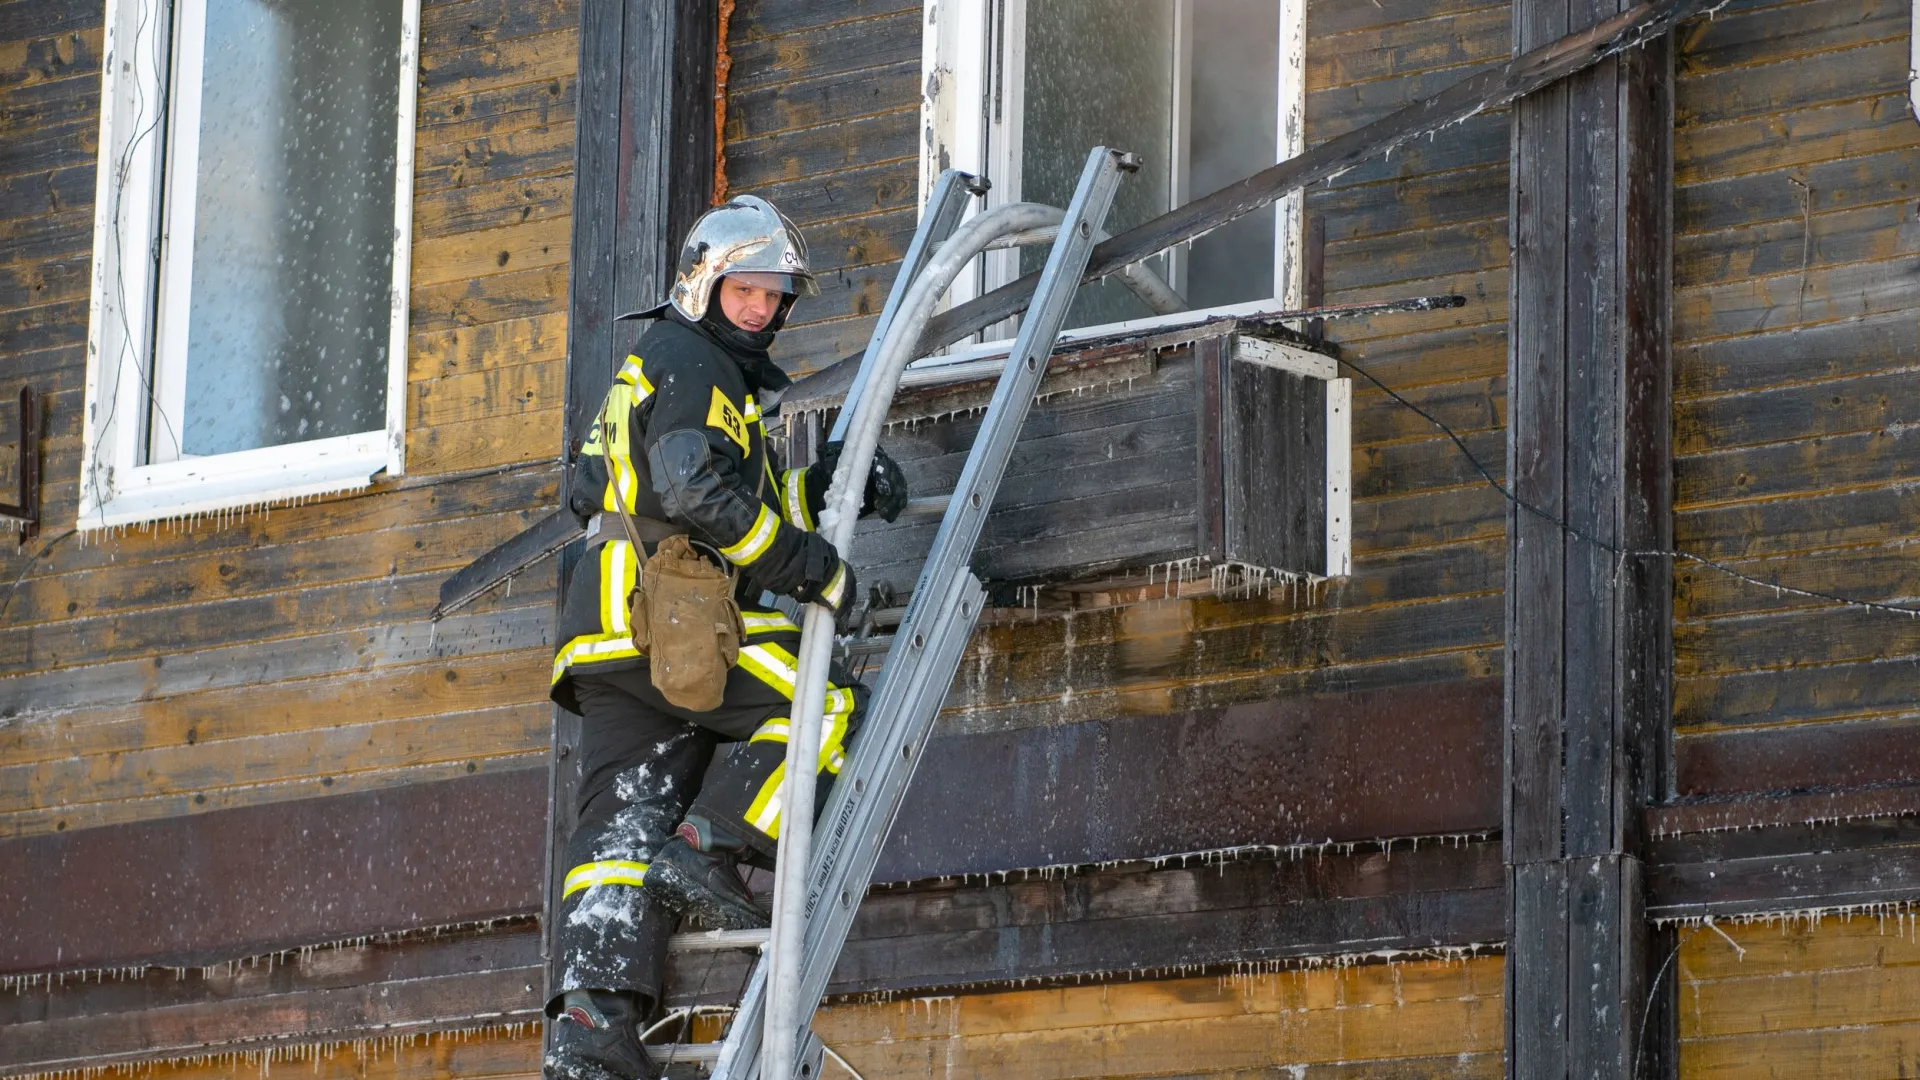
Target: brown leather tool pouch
<point x="686" y="623"/>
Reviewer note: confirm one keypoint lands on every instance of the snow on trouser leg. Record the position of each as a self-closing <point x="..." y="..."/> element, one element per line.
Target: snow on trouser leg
<point x="641" y="770"/>
<point x="742" y="792"/>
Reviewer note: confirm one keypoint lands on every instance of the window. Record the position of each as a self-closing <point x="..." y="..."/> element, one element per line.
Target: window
<point x="1204" y="91"/>
<point x="247" y="338"/>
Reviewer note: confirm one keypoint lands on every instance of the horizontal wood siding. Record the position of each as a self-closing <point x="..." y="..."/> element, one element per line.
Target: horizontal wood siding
<point x="1808" y="997"/>
<point x="1438" y="1019"/>
<point x="246" y="659"/>
<point x="822" y="109"/>
<point x="1797" y="278"/>
<point x="1429" y="1018"/>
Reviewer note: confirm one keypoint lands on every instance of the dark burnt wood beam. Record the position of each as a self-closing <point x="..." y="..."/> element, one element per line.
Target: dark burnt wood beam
<point x="1588" y="633"/>
<point x="211" y="887"/>
<point x="1137" y="920"/>
<point x="1787" y="867"/>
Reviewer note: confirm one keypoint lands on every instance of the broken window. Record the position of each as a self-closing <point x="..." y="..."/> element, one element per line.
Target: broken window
<point x="260" y="150"/>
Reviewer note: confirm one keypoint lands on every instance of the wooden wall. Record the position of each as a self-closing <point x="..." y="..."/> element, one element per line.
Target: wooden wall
<point x="1811" y="998"/>
<point x="822" y="108"/>
<point x="241" y="660"/>
<point x="1796" y="252"/>
<point x="1430" y="1019"/>
<point x="1433" y="1019"/>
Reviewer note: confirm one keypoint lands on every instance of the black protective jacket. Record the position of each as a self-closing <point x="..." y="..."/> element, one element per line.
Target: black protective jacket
<point x="681" y="438"/>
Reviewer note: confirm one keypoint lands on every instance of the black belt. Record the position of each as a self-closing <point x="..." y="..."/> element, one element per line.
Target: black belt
<point x="606" y="526"/>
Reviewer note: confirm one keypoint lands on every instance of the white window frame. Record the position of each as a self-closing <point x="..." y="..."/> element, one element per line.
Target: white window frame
<point x="972" y="57"/>
<point x="1913" y="63"/>
<point x="120" y="485"/>
<point x="971" y="65"/>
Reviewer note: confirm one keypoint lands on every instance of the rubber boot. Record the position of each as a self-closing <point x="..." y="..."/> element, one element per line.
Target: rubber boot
<point x="596" y="1036"/>
<point x="697" y="873"/>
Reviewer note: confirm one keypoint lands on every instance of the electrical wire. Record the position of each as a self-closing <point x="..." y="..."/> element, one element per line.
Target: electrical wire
<point x="1614" y="549"/>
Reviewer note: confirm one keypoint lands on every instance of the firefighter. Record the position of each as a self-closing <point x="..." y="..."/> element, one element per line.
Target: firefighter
<point x="671" y="800"/>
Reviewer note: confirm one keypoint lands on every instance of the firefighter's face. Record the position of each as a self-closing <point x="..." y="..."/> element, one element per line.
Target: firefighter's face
<point x="746" y="305"/>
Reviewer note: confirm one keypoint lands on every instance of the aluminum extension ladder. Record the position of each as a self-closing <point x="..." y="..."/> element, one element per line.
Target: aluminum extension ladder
<point x="926" y="649"/>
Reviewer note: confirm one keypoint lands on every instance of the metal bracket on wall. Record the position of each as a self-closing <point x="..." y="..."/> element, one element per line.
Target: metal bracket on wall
<point x="27" y="511"/>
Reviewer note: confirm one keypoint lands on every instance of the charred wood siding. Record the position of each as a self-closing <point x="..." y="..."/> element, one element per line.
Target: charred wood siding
<point x="1797" y="277"/>
<point x="258" y="658"/>
<point x="822" y="110"/>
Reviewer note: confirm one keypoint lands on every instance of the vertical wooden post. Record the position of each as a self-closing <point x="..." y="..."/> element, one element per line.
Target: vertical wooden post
<point x="1588" y="631"/>
<point x="643" y="171"/>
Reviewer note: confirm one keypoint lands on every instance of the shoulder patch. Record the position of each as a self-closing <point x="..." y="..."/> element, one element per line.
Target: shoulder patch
<point x="721" y="414"/>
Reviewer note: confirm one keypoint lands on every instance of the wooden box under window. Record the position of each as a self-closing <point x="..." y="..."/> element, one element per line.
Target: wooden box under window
<point x="1204" y="454"/>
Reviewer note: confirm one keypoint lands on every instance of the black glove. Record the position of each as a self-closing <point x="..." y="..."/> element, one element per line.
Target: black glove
<point x="886" y="493"/>
<point x="838" y="590"/>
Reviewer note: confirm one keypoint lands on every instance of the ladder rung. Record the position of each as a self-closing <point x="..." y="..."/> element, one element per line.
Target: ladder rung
<point x="685" y="1053"/>
<point x="928" y="506"/>
<point x="717" y="940"/>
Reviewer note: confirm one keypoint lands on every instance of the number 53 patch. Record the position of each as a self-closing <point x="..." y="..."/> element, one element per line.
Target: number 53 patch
<point x="721" y="414"/>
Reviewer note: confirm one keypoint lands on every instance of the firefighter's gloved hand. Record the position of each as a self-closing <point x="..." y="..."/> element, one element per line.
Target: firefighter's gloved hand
<point x="886" y="493"/>
<point x="837" y="590"/>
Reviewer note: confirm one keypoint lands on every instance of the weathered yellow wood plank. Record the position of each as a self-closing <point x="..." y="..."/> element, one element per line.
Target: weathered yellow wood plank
<point x="1847" y="1052"/>
<point x="1797" y="946"/>
<point x="41" y="822"/>
<point x="279" y="707"/>
<point x="349" y="748"/>
<point x="491" y="1053"/>
<point x="1449" y="40"/>
<point x="510" y="248"/>
<point x="1873" y="233"/>
<point x="495" y="298"/>
<point x="29" y="61"/>
<point x="543" y="103"/>
<point x="498" y="64"/>
<point x="1821" y="295"/>
<point x="1870" y="68"/>
<point x="1800" y="1001"/>
<point x="492" y="158"/>
<point x="261" y="571"/>
<point x="479" y="444"/>
<point x="1795" y="139"/>
<point x="489" y="206"/>
<point x="521" y="388"/>
<point x="535" y="339"/>
<point x="1188" y="1027"/>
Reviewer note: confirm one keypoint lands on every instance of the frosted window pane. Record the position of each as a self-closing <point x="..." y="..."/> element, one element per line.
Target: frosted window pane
<point x="293" y="223"/>
<point x="1098" y="72"/>
<point x="1232" y="124"/>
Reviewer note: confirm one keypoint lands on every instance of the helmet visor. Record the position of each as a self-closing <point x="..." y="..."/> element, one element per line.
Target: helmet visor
<point x="797" y="284"/>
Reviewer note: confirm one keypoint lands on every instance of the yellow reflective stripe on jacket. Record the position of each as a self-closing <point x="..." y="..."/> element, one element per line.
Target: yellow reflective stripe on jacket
<point x="631" y="374"/>
<point x="764" y="812"/>
<point x="772" y="665"/>
<point x="610" y="872"/>
<point x="618" y="564"/>
<point x="591" y="648"/>
<point x="623" y="483"/>
<point x="768" y="622"/>
<point x="758" y="539"/>
<point x="794" y="500"/>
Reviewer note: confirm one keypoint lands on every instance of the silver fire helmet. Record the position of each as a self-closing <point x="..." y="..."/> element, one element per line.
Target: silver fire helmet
<point x="743" y="235"/>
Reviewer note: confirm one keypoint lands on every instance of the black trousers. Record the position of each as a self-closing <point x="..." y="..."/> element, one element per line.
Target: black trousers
<point x="646" y="764"/>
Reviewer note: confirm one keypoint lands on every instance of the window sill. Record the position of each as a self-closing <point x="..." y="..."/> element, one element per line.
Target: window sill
<point x="273" y="474"/>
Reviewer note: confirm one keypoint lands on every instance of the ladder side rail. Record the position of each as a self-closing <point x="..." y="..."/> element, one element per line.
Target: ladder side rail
<point x="945" y="207"/>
